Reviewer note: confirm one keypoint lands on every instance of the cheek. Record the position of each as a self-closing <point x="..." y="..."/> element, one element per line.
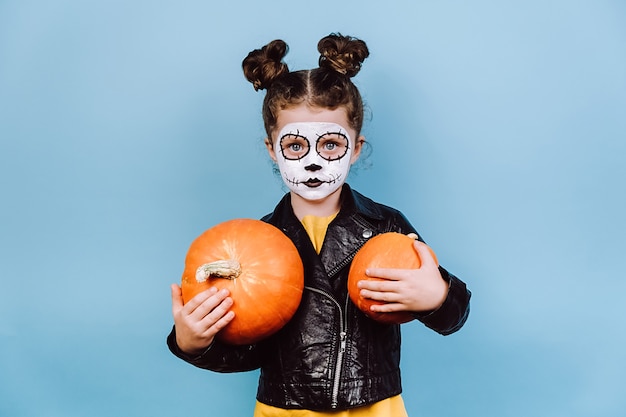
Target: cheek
<point x="347" y="160"/>
<point x="289" y="167"/>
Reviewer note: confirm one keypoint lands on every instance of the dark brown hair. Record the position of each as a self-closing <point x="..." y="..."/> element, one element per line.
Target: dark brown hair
<point x="328" y="86"/>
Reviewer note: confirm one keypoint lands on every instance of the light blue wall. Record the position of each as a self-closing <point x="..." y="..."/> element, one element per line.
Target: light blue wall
<point x="127" y="128"/>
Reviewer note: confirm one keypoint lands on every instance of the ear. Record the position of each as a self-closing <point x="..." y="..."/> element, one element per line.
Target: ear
<point x="358" y="145"/>
<point x="270" y="149"/>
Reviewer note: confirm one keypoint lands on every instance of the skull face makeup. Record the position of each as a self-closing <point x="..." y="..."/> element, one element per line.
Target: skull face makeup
<point x="313" y="157"/>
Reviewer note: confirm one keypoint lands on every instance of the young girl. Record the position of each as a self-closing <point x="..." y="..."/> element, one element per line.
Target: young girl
<point x="330" y="359"/>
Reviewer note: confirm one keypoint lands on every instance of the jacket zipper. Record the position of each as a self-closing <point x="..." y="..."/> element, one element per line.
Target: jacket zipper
<point x="349" y="259"/>
<point x="342" y="345"/>
<point x="343" y="325"/>
<point x="345" y="262"/>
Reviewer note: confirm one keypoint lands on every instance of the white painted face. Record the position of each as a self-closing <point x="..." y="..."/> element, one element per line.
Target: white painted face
<point x="314" y="158"/>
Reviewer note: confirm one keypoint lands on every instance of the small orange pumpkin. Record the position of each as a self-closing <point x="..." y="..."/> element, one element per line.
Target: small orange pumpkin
<point x="261" y="268"/>
<point x="387" y="250"/>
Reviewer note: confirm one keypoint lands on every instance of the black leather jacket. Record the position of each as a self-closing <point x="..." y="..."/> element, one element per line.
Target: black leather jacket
<point x="330" y="355"/>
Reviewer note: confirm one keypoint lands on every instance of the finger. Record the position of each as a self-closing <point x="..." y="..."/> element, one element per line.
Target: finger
<point x="378" y="285"/>
<point x="191" y="305"/>
<point x="218" y="318"/>
<point x="391" y="274"/>
<point x="425" y="254"/>
<point x="387" y="307"/>
<point x="413" y="235"/>
<point x="379" y="290"/>
<point x="177" y="298"/>
<point x="215" y="308"/>
<point x="215" y="299"/>
<point x="383" y="296"/>
<point x="222" y="322"/>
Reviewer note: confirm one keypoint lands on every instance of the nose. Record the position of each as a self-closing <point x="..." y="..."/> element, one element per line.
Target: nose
<point x="312" y="167"/>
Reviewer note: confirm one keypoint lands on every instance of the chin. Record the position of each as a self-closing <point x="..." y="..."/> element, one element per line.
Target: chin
<point x="315" y="196"/>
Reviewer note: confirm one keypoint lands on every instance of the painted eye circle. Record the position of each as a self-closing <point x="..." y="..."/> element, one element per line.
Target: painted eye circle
<point x="332" y="146"/>
<point x="294" y="146"/>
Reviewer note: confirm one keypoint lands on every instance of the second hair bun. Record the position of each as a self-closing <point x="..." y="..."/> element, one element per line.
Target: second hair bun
<point x="342" y="54"/>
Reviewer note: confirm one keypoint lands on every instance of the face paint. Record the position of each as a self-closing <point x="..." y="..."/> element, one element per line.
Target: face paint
<point x="313" y="158"/>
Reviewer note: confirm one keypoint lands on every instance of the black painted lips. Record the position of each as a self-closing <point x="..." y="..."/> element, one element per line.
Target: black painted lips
<point x="313" y="182"/>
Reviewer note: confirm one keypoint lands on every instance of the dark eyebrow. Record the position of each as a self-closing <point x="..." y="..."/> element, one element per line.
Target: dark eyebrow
<point x="340" y="133"/>
<point x="297" y="134"/>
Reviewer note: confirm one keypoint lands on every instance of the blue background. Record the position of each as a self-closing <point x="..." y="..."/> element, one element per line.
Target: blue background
<point x="127" y="128"/>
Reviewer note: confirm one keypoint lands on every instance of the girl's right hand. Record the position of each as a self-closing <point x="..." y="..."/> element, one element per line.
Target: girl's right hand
<point x="198" y="321"/>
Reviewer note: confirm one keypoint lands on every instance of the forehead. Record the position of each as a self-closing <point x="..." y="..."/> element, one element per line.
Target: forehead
<point x="303" y="113"/>
<point x="312" y="130"/>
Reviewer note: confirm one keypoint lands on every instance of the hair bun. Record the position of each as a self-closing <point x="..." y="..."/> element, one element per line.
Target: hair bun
<point x="342" y="54"/>
<point x="262" y="66"/>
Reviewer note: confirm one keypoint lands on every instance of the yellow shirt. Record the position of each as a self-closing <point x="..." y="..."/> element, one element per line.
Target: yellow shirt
<point x="391" y="407"/>
<point x="316" y="229"/>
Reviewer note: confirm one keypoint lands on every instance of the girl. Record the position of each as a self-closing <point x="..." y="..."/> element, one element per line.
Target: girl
<point x="330" y="359"/>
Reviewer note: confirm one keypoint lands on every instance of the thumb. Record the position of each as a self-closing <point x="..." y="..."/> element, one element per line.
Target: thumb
<point x="177" y="298"/>
<point x="426" y="254"/>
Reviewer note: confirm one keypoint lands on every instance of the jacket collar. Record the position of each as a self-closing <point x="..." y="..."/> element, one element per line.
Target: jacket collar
<point x="353" y="200"/>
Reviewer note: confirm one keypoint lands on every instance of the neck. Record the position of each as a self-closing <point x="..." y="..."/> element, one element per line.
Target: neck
<point x="321" y="208"/>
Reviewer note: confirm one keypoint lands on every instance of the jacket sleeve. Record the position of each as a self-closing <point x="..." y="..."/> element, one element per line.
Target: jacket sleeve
<point x="453" y="313"/>
<point x="219" y="357"/>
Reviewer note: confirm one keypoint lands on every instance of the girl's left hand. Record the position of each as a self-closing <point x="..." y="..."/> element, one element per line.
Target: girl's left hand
<point x="415" y="290"/>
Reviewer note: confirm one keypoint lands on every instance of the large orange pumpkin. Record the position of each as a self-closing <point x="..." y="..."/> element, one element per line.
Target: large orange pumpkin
<point x="387" y="250"/>
<point x="261" y="268"/>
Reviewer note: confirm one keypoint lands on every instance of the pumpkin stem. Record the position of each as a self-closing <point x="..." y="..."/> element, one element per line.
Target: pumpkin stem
<point x="226" y="268"/>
